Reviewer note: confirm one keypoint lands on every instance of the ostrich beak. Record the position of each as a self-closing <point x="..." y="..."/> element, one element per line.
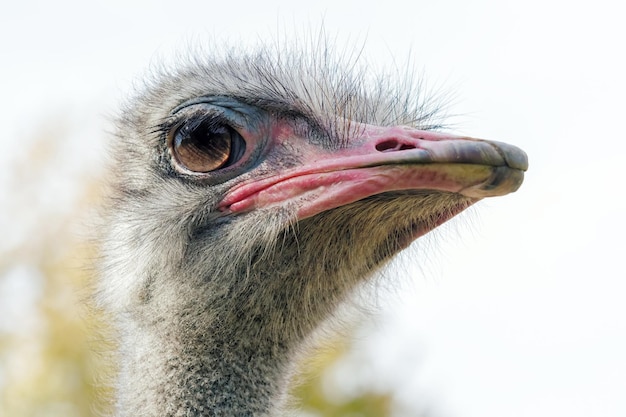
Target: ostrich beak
<point x="381" y="160"/>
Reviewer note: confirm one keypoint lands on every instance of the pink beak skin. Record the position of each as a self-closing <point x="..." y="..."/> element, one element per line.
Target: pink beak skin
<point x="383" y="159"/>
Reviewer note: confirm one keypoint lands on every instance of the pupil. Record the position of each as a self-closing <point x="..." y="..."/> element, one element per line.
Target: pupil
<point x="214" y="141"/>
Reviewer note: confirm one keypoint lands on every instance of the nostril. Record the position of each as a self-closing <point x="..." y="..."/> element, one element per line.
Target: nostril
<point x="388" y="146"/>
<point x="392" y="145"/>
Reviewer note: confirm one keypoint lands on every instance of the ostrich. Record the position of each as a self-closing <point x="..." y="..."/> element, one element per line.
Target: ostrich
<point x="251" y="194"/>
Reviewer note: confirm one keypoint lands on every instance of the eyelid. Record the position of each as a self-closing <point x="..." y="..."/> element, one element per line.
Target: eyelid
<point x="215" y="101"/>
<point x="201" y="112"/>
<point x="237" y="113"/>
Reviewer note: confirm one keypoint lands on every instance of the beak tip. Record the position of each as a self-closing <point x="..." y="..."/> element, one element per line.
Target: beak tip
<point x="513" y="156"/>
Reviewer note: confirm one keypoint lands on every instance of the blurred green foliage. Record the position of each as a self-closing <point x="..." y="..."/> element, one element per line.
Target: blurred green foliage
<point x="313" y="392"/>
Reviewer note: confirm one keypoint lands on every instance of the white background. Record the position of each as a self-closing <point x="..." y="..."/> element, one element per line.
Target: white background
<point x="520" y="310"/>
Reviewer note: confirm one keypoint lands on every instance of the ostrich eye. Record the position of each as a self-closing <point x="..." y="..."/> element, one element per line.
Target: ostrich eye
<point x="206" y="145"/>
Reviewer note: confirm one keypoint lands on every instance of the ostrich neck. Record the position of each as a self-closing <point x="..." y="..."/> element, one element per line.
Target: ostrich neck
<point x="200" y="372"/>
<point x="221" y="341"/>
<point x="199" y="347"/>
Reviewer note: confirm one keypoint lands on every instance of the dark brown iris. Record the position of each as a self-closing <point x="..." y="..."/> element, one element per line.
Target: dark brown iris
<point x="204" y="146"/>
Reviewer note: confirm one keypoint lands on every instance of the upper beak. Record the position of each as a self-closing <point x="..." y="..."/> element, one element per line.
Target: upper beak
<point x="383" y="159"/>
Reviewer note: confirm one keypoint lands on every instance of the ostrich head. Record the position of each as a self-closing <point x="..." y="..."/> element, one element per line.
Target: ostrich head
<point x="251" y="193"/>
